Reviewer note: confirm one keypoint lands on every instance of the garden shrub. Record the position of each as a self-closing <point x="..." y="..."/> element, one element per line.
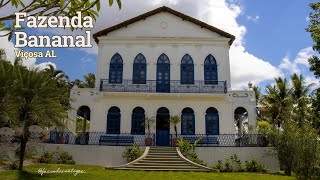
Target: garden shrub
<point x="254" y="166"/>
<point x="219" y="166"/>
<point x="65" y="158"/>
<point x="188" y="150"/>
<point x="236" y="164"/>
<point x="132" y="153"/>
<point x="227" y="166"/>
<point x="46" y="157"/>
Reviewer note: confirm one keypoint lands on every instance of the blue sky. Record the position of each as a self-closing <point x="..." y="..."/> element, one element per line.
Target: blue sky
<point x="271" y="37"/>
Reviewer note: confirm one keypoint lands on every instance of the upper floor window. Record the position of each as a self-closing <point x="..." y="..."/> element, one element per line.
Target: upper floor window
<point x="210" y="70"/>
<point x="163" y="74"/>
<point x="139" y="70"/>
<point x="187" y="70"/>
<point x="116" y="69"/>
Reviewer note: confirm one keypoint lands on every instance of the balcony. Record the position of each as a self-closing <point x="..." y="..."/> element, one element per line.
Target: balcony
<point x="173" y="86"/>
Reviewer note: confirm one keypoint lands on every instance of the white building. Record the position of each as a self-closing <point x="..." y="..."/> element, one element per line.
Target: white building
<point x="159" y="64"/>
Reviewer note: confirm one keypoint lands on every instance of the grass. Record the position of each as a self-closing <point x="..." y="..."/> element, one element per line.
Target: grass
<point x="98" y="172"/>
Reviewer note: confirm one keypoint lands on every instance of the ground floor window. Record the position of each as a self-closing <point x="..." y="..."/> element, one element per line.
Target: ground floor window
<point x="137" y="124"/>
<point x="212" y="121"/>
<point x="113" y="120"/>
<point x="187" y="121"/>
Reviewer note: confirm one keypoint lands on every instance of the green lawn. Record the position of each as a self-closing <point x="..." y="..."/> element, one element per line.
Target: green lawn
<point x="96" y="172"/>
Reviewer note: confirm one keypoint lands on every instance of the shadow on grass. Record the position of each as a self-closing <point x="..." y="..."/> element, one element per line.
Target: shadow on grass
<point x="27" y="175"/>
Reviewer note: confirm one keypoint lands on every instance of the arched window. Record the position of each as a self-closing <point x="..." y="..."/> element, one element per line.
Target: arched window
<point x="187" y="70"/>
<point x="137" y="124"/>
<point x="212" y="121"/>
<point x="187" y="121"/>
<point x="113" y="120"/>
<point x="139" y="70"/>
<point x="163" y="74"/>
<point x="210" y="70"/>
<point x="240" y="119"/>
<point x="116" y="69"/>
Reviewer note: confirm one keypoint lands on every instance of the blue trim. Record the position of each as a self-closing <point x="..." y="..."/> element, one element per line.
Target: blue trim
<point x="137" y="121"/>
<point x="187" y="70"/>
<point x="113" y="120"/>
<point x="139" y="75"/>
<point x="116" y="69"/>
<point x="210" y="70"/>
<point x="163" y="74"/>
<point x="212" y="121"/>
<point x="187" y="122"/>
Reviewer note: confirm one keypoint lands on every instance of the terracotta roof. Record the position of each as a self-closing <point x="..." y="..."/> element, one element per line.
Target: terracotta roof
<point x="156" y="11"/>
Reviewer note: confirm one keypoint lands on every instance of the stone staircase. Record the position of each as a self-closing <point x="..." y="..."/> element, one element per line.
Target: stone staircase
<point x="162" y="159"/>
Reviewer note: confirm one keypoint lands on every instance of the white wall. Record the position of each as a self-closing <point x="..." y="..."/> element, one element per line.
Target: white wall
<point x="211" y="155"/>
<point x="91" y="154"/>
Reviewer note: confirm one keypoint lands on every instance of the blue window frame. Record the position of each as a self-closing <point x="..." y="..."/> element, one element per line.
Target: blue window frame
<point x="116" y="69"/>
<point x="113" y="120"/>
<point x="212" y="121"/>
<point x="187" y="121"/>
<point x="137" y="123"/>
<point x="210" y="70"/>
<point x="163" y="74"/>
<point x="187" y="70"/>
<point x="139" y="70"/>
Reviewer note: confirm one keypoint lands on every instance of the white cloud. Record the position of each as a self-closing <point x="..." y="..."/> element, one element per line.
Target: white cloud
<point x="253" y="18"/>
<point x="9" y="48"/>
<point x="299" y="63"/>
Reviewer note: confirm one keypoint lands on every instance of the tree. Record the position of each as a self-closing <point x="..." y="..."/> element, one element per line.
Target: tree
<point x="90" y="80"/>
<point x="48" y="8"/>
<point x="37" y="99"/>
<point x="257" y="92"/>
<point x="277" y="103"/>
<point x="175" y="120"/>
<point x="314" y="61"/>
<point x="300" y="97"/>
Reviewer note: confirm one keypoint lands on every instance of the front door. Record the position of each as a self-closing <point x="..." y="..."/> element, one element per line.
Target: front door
<point x="163" y="74"/>
<point x="163" y="127"/>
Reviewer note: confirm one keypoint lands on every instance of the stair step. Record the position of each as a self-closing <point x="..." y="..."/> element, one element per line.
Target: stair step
<point x="163" y="161"/>
<point x="163" y="167"/>
<point x="162" y="158"/>
<point x="162" y="153"/>
<point x="161" y="164"/>
<point x="147" y="169"/>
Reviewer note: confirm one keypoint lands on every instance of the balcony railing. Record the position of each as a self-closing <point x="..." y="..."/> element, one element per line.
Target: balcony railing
<point x="127" y="139"/>
<point x="173" y="86"/>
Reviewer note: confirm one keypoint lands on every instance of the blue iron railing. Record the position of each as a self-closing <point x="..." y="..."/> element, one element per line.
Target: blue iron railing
<point x="127" y="139"/>
<point x="173" y="86"/>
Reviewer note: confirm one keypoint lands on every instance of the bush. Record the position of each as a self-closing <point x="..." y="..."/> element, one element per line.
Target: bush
<point x="219" y="166"/>
<point x="13" y="165"/>
<point x="46" y="157"/>
<point x="236" y="164"/>
<point x="227" y="166"/>
<point x="132" y="153"/>
<point x="188" y="150"/>
<point x="255" y="166"/>
<point x="65" y="158"/>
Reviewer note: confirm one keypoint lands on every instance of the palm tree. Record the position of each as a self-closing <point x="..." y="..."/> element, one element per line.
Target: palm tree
<point x="276" y="104"/>
<point x="54" y="73"/>
<point x="257" y="92"/>
<point x="300" y="97"/>
<point x="38" y="100"/>
<point x="90" y="80"/>
<point x="175" y="120"/>
<point x="149" y="122"/>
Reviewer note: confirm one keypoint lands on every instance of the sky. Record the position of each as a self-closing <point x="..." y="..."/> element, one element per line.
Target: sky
<point x="271" y="40"/>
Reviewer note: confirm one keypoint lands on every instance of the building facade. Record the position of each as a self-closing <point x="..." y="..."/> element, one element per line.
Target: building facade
<point x="160" y="64"/>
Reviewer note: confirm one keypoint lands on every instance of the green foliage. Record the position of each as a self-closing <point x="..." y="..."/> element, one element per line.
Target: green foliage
<point x="188" y="150"/>
<point x="132" y="153"/>
<point x="297" y="148"/>
<point x="219" y="166"/>
<point x="174" y="120"/>
<point x="227" y="166"/>
<point x="65" y="158"/>
<point x="46" y="157"/>
<point x="255" y="166"/>
<point x="149" y="121"/>
<point x="236" y="164"/>
<point x="79" y="124"/>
